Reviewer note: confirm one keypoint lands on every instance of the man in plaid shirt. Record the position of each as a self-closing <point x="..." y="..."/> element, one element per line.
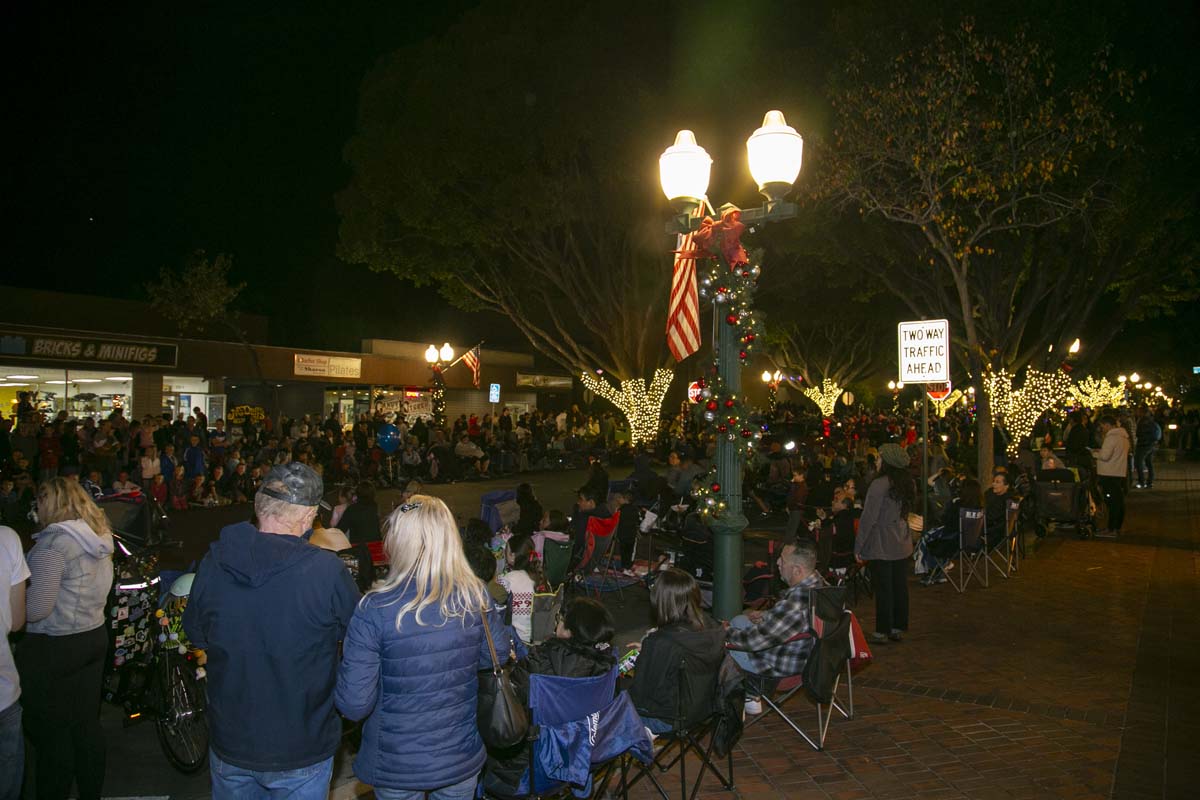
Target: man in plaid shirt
<point x="765" y="642"/>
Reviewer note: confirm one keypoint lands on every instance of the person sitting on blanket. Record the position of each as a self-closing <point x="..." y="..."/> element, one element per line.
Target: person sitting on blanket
<point x="772" y="643"/>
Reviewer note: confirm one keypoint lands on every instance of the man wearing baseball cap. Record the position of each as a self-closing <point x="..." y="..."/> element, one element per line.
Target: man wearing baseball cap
<point x="270" y="609"/>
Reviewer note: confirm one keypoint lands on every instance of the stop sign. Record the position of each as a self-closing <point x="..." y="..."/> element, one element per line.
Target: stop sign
<point x="938" y="391"/>
<point x="694" y="392"/>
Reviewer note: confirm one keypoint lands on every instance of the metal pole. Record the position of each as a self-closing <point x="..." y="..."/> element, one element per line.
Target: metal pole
<point x="925" y="456"/>
<point x="727" y="528"/>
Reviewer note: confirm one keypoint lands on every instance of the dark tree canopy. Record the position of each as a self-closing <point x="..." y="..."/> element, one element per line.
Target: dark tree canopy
<point x="481" y="165"/>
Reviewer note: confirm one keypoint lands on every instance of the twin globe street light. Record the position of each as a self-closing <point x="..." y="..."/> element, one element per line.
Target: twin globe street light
<point x="437" y="360"/>
<point x="774" y="152"/>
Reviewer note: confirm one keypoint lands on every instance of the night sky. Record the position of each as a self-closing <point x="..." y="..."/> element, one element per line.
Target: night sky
<point x="148" y="130"/>
<point x="139" y="132"/>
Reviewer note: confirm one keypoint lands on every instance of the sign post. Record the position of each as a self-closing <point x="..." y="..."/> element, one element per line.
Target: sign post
<point x="493" y="398"/>
<point x="924" y="351"/>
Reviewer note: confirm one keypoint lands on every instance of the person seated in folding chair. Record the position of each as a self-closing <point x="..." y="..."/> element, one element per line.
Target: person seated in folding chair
<point x="580" y="649"/>
<point x="681" y="631"/>
<point x="588" y="504"/>
<point x="941" y="543"/>
<point x="773" y="643"/>
<point x="996" y="509"/>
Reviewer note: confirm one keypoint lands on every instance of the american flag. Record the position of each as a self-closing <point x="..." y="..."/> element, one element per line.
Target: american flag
<point x="471" y="359"/>
<point x="683" y="313"/>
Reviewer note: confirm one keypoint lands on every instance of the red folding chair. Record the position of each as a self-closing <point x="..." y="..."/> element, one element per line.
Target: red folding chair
<point x="599" y="550"/>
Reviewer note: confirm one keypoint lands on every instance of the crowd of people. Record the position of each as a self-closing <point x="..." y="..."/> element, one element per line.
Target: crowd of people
<point x="187" y="462"/>
<point x="327" y="642"/>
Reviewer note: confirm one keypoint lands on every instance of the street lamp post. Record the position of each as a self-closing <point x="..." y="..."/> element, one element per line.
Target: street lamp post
<point x="437" y="360"/>
<point x="771" y="379"/>
<point x="775" y="151"/>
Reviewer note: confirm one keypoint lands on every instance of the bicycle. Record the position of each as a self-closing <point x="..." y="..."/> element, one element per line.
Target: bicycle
<point x="151" y="672"/>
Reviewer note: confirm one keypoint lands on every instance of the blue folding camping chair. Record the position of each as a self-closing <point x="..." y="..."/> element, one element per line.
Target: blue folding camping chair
<point x="583" y="732"/>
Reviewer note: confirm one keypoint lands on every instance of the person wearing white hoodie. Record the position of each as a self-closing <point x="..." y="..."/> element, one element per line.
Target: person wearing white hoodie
<point x="1112" y="464"/>
<point x="61" y="660"/>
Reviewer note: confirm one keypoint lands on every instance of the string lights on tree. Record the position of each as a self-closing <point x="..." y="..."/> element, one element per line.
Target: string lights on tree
<point x="1019" y="409"/>
<point x="946" y="403"/>
<point x="825" y="396"/>
<point x="1093" y="393"/>
<point x="640" y="404"/>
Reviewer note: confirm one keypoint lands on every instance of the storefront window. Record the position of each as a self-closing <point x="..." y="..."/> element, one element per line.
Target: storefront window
<point x="81" y="393"/>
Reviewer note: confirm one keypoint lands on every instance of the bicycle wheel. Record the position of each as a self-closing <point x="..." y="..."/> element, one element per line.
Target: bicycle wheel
<point x="182" y="724"/>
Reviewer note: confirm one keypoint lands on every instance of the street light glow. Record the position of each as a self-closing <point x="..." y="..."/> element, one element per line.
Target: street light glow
<point x="447" y="353"/>
<point x="1074" y="348"/>
<point x="1122" y="378"/>
<point x="775" y="151"/>
<point x="683" y="169"/>
<point x="1135" y="377"/>
<point x="766" y="376"/>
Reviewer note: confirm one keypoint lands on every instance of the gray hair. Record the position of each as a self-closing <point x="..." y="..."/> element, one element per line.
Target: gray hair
<point x="801" y="552"/>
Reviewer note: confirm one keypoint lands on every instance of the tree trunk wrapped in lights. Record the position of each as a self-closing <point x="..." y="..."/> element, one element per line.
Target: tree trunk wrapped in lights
<point x="825" y="396"/>
<point x="641" y="404"/>
<point x="1092" y="393"/>
<point x="1019" y="409"/>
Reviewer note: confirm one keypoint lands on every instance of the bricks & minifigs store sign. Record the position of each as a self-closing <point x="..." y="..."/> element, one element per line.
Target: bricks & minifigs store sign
<point x="87" y="350"/>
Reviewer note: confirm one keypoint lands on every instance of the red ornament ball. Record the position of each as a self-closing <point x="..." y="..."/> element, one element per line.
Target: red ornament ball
<point x="749" y="337"/>
<point x="729" y="403"/>
<point x="742" y="355"/>
<point x="702" y="383"/>
<point x="732" y="319"/>
<point x="747" y="434"/>
<point x="733" y="420"/>
<point x="716" y="487"/>
<point x="711" y="405"/>
<point x="722" y="428"/>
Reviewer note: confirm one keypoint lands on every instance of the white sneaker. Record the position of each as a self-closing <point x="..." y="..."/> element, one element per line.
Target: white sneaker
<point x="753" y="706"/>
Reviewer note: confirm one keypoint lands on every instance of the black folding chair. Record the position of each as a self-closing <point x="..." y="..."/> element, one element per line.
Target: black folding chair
<point x="697" y="735"/>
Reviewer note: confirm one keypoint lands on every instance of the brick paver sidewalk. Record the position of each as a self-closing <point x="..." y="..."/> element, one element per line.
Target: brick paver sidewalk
<point x="1076" y="678"/>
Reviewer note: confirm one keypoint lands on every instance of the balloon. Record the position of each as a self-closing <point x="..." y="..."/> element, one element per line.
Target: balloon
<point x="388" y="438"/>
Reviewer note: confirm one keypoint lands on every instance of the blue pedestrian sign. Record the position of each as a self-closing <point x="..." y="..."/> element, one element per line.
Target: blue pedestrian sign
<point x="494" y="393"/>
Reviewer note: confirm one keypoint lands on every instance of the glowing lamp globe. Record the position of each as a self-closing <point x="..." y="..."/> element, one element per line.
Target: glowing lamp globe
<point x="447" y="352"/>
<point x="1135" y="377"/>
<point x="766" y="376"/>
<point x="775" y="152"/>
<point x="431" y="354"/>
<point x="683" y="170"/>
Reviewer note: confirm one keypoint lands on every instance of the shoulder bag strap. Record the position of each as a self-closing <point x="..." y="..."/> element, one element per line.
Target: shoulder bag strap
<point x="487" y="631"/>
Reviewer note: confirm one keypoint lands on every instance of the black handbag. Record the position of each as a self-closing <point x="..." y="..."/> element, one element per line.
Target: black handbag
<point x="502" y="719"/>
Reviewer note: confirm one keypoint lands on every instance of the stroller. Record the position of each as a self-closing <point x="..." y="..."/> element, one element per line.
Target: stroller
<point x="1063" y="503"/>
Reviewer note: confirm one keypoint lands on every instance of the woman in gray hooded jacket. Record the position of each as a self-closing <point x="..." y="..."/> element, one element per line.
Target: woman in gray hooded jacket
<point x="885" y="543"/>
<point x="61" y="660"/>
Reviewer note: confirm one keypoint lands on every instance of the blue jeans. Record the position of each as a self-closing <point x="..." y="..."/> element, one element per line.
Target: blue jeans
<point x="230" y="782"/>
<point x="464" y="790"/>
<point x="12" y="750"/>
<point x="741" y="657"/>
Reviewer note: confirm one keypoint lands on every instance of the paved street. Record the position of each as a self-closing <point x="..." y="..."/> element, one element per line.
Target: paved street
<point x="1076" y="679"/>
